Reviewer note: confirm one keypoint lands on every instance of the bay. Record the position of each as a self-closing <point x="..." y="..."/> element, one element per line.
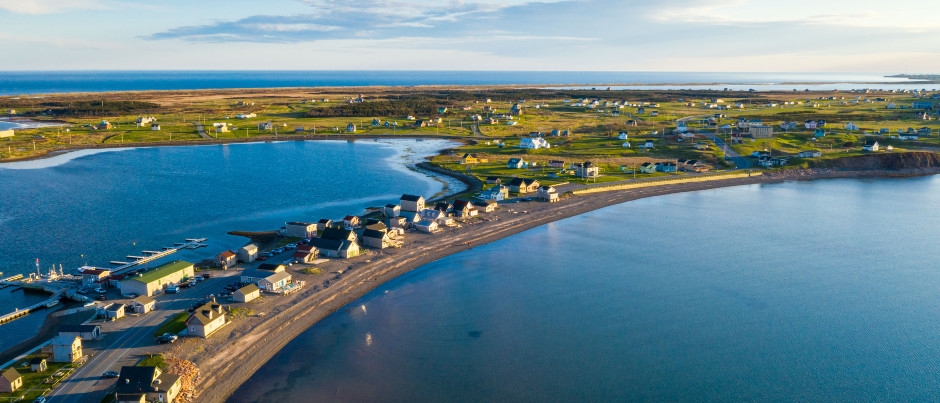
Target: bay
<point x="801" y="291"/>
<point x="89" y="207"/>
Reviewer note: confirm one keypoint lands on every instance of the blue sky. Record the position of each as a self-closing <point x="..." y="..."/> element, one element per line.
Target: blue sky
<point x="595" y="35"/>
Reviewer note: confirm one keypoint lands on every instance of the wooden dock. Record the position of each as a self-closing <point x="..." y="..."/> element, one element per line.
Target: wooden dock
<point x="19" y="313"/>
<point x="150" y="255"/>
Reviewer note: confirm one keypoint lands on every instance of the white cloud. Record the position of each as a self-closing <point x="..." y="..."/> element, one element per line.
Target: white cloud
<point x="50" y="6"/>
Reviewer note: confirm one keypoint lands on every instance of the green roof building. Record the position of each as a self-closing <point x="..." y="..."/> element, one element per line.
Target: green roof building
<point x="154" y="281"/>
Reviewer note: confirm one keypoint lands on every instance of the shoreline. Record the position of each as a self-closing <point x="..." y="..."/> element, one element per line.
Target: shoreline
<point x="258" y="139"/>
<point x="256" y="342"/>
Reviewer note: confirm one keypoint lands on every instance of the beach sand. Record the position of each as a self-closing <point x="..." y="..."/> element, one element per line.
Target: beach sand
<point x="229" y="357"/>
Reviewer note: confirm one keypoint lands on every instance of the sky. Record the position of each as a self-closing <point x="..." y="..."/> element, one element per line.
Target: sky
<point x="555" y="35"/>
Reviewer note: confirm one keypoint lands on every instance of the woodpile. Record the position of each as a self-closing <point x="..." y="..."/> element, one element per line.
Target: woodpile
<point x="189" y="376"/>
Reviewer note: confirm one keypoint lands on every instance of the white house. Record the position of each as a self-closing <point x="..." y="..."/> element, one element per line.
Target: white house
<point x="622" y="136"/>
<point x="809" y="154"/>
<point x="534" y="143"/>
<point x="851" y="126"/>
<point x="248" y="253"/>
<point x="206" y="319"/>
<point x="870" y="145"/>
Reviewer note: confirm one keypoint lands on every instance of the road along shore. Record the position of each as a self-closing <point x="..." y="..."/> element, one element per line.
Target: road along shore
<point x="227" y="359"/>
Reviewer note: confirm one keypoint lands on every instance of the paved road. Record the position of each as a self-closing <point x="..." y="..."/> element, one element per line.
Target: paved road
<point x="739" y="161"/>
<point x="202" y="132"/>
<point x="475" y="128"/>
<point x="127" y="339"/>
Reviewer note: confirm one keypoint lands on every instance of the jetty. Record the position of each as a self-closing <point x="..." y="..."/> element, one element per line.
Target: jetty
<point x="49" y="303"/>
<point x="151" y="255"/>
<point x="12" y="281"/>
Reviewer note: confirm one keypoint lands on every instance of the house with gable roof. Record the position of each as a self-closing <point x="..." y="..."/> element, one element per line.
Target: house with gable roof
<point x="523" y="185"/>
<point x="412" y="203"/>
<point x="146" y="384"/>
<point x="10" y="380"/>
<point x="206" y="319"/>
<point x="226" y="259"/>
<point x="464" y="208"/>
<point x="516" y="163"/>
<point x="534" y="143"/>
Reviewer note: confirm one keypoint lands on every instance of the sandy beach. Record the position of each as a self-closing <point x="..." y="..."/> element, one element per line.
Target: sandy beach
<point x="229" y="357"/>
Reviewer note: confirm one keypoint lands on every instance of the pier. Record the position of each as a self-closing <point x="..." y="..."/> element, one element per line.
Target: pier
<point x="150" y="255"/>
<point x="58" y="290"/>
<point x="52" y="301"/>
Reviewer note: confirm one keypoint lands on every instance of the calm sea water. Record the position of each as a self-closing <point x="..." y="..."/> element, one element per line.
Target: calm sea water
<point x="45" y="82"/>
<point x="91" y="208"/>
<point x="804" y="291"/>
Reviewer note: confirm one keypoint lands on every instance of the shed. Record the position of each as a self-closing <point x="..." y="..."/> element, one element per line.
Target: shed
<point x="144" y="304"/>
<point x="38" y="364"/>
<point x="246" y="293"/>
<point x="10" y="380"/>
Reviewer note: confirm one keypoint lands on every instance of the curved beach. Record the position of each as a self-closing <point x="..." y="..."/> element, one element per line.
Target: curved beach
<point x="255" y="340"/>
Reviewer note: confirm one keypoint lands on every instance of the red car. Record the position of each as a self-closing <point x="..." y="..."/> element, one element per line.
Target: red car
<point x="262" y="258"/>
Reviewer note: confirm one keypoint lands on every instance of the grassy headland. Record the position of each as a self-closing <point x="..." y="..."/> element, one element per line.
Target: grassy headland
<point x="587" y="130"/>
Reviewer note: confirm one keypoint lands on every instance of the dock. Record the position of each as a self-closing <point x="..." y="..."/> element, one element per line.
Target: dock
<point x="51" y="302"/>
<point x="58" y="290"/>
<point x="151" y="255"/>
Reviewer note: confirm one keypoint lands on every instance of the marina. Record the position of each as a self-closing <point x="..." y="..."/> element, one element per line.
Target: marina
<point x="60" y="285"/>
<point x="190" y="243"/>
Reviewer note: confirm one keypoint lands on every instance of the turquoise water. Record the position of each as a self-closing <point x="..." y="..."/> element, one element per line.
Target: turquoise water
<point x="92" y="208"/>
<point x="802" y="291"/>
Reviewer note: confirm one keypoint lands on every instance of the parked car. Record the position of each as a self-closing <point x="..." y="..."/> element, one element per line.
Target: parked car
<point x="261" y="258"/>
<point x="267" y="254"/>
<point x="166" y="338"/>
<point x="100" y="290"/>
<point x="206" y="275"/>
<point x="101" y="297"/>
<point x="173" y="289"/>
<point x="130" y="296"/>
<point x="110" y="374"/>
<point x="40" y="399"/>
<point x="82" y="291"/>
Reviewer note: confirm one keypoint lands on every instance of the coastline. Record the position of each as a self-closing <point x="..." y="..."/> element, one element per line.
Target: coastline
<point x="255" y="341"/>
<point x="258" y="139"/>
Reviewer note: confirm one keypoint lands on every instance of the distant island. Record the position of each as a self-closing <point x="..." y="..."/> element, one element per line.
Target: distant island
<point x="931" y="78"/>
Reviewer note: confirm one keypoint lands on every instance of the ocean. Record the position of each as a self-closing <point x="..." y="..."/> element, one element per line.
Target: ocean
<point x="821" y="291"/>
<point x="800" y="291"/>
<point x="92" y="207"/>
<point x="34" y="83"/>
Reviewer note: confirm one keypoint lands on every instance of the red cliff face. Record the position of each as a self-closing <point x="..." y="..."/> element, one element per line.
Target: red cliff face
<point x="882" y="161"/>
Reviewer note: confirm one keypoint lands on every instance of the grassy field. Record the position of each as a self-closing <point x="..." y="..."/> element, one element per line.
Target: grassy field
<point x="649" y="115"/>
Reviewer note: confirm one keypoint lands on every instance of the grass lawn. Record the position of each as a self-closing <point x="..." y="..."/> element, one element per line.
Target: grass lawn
<point x="174" y="325"/>
<point x="36" y="384"/>
<point x="154" y="360"/>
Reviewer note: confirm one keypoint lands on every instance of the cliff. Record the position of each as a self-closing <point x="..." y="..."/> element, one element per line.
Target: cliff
<point x="882" y="161"/>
